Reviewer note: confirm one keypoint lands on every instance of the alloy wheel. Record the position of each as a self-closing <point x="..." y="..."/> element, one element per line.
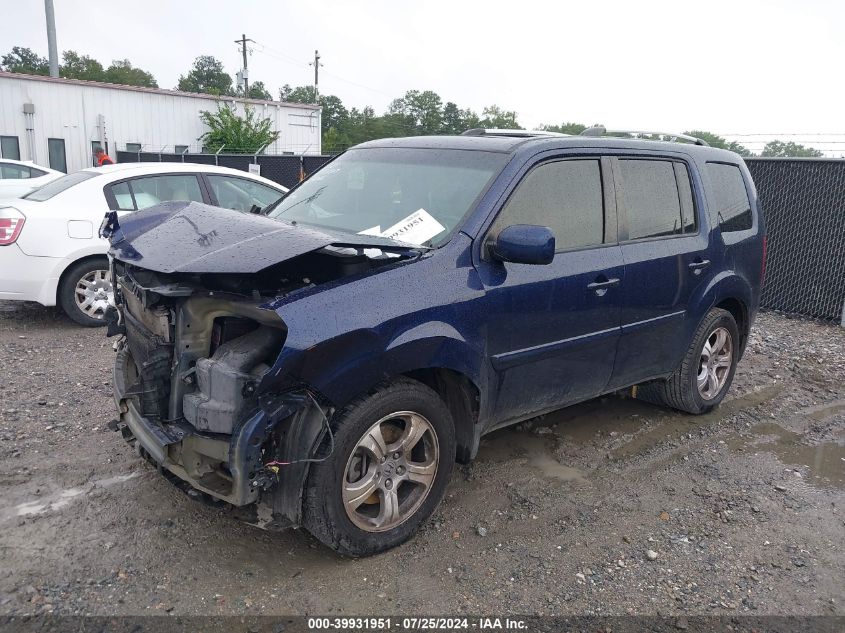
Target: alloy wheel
<point x="390" y="472"/>
<point x="715" y="364"/>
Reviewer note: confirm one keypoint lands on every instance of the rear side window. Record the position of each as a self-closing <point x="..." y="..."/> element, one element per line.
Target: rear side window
<point x="729" y="197"/>
<point x="652" y="198"/>
<point x="57" y="186"/>
<point x="565" y="196"/>
<point x="140" y="193"/>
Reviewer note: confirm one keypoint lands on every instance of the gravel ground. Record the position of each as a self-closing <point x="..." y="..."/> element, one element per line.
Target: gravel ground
<point x="612" y="507"/>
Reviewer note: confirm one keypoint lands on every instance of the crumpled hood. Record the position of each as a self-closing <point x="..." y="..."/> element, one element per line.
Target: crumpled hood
<point x="192" y="237"/>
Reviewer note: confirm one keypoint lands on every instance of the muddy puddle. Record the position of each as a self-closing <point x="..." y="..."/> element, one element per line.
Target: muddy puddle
<point x="631" y="427"/>
<point x="538" y="451"/>
<point x="824" y="461"/>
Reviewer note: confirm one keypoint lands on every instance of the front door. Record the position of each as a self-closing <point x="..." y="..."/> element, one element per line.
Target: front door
<point x="552" y="329"/>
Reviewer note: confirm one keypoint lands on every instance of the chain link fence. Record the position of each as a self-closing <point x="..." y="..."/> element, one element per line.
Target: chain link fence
<point x="803" y="201"/>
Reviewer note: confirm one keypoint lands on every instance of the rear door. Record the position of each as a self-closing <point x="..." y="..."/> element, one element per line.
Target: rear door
<point x="665" y="251"/>
<point x="552" y="329"/>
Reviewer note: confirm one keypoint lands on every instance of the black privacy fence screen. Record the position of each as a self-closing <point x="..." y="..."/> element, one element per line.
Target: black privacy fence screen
<point x="803" y="201"/>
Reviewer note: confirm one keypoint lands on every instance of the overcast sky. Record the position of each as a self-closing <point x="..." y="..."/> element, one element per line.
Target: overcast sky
<point x="730" y="67"/>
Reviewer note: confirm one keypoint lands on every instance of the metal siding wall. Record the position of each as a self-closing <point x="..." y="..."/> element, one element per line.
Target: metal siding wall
<point x="157" y="121"/>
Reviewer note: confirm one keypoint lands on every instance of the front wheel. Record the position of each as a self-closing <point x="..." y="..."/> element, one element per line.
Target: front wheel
<point x="86" y="292"/>
<point x="707" y="370"/>
<point x="393" y="457"/>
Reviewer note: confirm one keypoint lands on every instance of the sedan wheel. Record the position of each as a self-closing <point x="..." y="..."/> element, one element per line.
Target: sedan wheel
<point x="85" y="292"/>
<point x="94" y="293"/>
<point x="390" y="471"/>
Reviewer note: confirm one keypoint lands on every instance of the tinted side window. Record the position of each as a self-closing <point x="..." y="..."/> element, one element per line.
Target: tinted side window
<point x="685" y="195"/>
<point x="651" y="198"/>
<point x="729" y="198"/>
<point x="565" y="196"/>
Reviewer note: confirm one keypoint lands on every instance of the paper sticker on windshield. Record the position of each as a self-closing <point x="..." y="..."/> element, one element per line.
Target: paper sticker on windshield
<point x="417" y="228"/>
<point x="376" y="230"/>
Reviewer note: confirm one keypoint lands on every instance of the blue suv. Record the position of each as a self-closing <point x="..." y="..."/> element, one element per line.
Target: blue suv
<point x="325" y="361"/>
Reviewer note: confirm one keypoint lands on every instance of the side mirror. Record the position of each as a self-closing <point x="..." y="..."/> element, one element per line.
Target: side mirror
<point x="524" y="244"/>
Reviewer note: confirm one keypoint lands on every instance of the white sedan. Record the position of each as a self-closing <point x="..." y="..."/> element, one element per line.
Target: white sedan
<point x="18" y="178"/>
<point x="50" y="251"/>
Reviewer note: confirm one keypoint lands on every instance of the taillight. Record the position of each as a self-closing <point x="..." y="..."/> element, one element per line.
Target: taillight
<point x="11" y="224"/>
<point x="763" y="263"/>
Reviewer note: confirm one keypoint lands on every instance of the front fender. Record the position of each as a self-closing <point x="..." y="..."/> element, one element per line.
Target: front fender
<point x="351" y="364"/>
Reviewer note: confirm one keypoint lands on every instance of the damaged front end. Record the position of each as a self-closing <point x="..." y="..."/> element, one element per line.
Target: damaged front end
<point x="196" y="378"/>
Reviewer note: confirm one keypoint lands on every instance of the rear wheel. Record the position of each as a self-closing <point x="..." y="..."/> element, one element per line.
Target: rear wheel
<point x="393" y="457"/>
<point x="706" y="372"/>
<point x="85" y="292"/>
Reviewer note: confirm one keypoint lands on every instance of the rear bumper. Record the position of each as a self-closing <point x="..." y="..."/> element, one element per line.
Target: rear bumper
<point x="27" y="278"/>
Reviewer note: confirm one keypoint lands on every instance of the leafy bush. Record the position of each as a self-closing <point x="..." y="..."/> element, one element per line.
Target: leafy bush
<point x="239" y="134"/>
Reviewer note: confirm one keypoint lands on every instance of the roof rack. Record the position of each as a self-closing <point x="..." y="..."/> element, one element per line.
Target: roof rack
<point x="599" y="130"/>
<point x="480" y="131"/>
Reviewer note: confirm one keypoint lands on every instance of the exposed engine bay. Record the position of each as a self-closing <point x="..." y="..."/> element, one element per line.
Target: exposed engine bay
<point x="194" y="382"/>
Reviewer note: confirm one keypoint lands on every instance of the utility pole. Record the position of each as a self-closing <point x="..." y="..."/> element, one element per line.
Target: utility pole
<point x="242" y="43"/>
<point x="52" y="49"/>
<point x="316" y="64"/>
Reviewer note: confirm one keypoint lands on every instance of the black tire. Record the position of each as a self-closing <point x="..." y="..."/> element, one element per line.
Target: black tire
<point x="680" y="391"/>
<point x="324" y="512"/>
<point x="67" y="290"/>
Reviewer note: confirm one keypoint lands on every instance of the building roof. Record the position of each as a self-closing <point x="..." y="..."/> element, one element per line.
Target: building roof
<point x="160" y="91"/>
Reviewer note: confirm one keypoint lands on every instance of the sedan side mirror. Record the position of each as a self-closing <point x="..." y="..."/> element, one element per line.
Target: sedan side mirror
<point x="524" y="244"/>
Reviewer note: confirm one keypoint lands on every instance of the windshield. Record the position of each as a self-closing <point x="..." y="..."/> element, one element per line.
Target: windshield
<point x="412" y="195"/>
<point x="60" y="184"/>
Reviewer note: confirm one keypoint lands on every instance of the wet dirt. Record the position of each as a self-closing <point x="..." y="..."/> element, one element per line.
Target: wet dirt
<point x="742" y="506"/>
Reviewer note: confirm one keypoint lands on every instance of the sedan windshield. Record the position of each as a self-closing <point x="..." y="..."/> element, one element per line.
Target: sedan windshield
<point x="416" y="196"/>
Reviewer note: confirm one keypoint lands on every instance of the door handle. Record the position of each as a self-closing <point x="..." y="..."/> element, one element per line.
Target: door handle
<point x="600" y="287"/>
<point x="697" y="266"/>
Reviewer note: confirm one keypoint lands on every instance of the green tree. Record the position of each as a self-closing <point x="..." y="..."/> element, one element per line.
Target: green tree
<point x="206" y="75"/>
<point x="25" y="60"/>
<point x="456" y="121"/>
<point x="300" y="94"/>
<point x="714" y="140"/>
<point x="76" y="66"/>
<point x="257" y="90"/>
<point x="498" y="119"/>
<point x="123" y="72"/>
<point x="421" y="112"/>
<point x="565" y="128"/>
<point x="239" y="134"/>
<point x="790" y="149"/>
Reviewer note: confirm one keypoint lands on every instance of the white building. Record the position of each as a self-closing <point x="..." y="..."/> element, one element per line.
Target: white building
<point x="58" y="122"/>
